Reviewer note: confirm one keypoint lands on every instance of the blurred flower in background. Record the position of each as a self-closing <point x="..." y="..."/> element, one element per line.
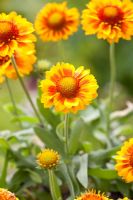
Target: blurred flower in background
<point x="55" y="22"/>
<point x="110" y="20"/>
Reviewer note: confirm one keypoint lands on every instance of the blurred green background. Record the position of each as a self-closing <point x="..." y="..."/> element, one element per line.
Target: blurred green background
<point x="79" y="50"/>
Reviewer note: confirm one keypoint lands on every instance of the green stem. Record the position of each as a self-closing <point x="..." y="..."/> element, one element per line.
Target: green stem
<point x="25" y="89"/>
<point x="112" y="74"/>
<point x="4" y="171"/>
<point x="13" y="101"/>
<point x="53" y="186"/>
<point x="112" y="83"/>
<point x="66" y="120"/>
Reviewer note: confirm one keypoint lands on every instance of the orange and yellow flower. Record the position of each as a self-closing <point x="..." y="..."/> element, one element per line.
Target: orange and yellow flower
<point x="25" y="59"/>
<point x="110" y="20"/>
<point x="91" y="195"/>
<point x="56" y="21"/>
<point x="15" y="31"/>
<point x="67" y="88"/>
<point x="7" y="195"/>
<point x="124" y="161"/>
<point x="48" y="158"/>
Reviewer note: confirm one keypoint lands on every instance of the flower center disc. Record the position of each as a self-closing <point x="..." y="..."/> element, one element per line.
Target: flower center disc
<point x="111" y="14"/>
<point x="56" y="20"/>
<point x="8" y="31"/>
<point x="68" y="87"/>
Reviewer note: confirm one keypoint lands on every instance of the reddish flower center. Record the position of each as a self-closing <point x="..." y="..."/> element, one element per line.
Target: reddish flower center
<point x="4" y="59"/>
<point x="111" y="14"/>
<point x="8" y="31"/>
<point x="68" y="86"/>
<point x="56" y="20"/>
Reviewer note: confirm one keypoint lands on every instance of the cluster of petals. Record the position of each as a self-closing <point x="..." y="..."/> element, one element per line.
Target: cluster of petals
<point x="68" y="89"/>
<point x="56" y="21"/>
<point x="92" y="195"/>
<point x="109" y="19"/>
<point x="124" y="161"/>
<point x="16" y="39"/>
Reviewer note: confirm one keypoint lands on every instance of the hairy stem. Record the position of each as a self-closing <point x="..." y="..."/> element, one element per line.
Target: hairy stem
<point x="66" y="126"/>
<point x="25" y="89"/>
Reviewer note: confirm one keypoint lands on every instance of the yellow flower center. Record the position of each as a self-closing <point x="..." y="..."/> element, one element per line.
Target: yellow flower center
<point x="8" y="31"/>
<point x="68" y="87"/>
<point x="110" y="11"/>
<point x="48" y="158"/>
<point x="56" y="20"/>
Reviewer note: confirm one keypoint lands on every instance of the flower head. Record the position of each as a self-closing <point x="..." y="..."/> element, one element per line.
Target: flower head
<point x="6" y="195"/>
<point x="48" y="158"/>
<point x="25" y="59"/>
<point x="91" y="195"/>
<point x="67" y="88"/>
<point x="15" y="31"/>
<point x="56" y="22"/>
<point x="124" y="161"/>
<point x="110" y="20"/>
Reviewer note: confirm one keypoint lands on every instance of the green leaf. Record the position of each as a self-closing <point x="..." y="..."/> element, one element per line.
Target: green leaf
<point x="50" y="139"/>
<point x="74" y="140"/>
<point x="124" y="188"/>
<point x="126" y="130"/>
<point x="10" y="108"/>
<point x="31" y="120"/>
<point x="49" y="116"/>
<point x="64" y="171"/>
<point x="82" y="174"/>
<point x="34" y="176"/>
<point x="90" y="114"/>
<point x="54" y="186"/>
<point x="60" y="131"/>
<point x="101" y="155"/>
<point x="103" y="173"/>
<point x="87" y="146"/>
<point x="4" y="144"/>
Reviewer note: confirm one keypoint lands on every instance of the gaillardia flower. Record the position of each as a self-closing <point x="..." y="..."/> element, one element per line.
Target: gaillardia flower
<point x="48" y="158"/>
<point x="110" y="20"/>
<point x="6" y="195"/>
<point x="67" y="88"/>
<point x="91" y="195"/>
<point x="15" y="31"/>
<point x="25" y="59"/>
<point x="124" y="161"/>
<point x="56" y="22"/>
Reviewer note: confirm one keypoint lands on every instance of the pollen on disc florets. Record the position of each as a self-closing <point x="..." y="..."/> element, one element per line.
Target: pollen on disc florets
<point x="67" y="86"/>
<point x="48" y="158"/>
<point x="7" y="195"/>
